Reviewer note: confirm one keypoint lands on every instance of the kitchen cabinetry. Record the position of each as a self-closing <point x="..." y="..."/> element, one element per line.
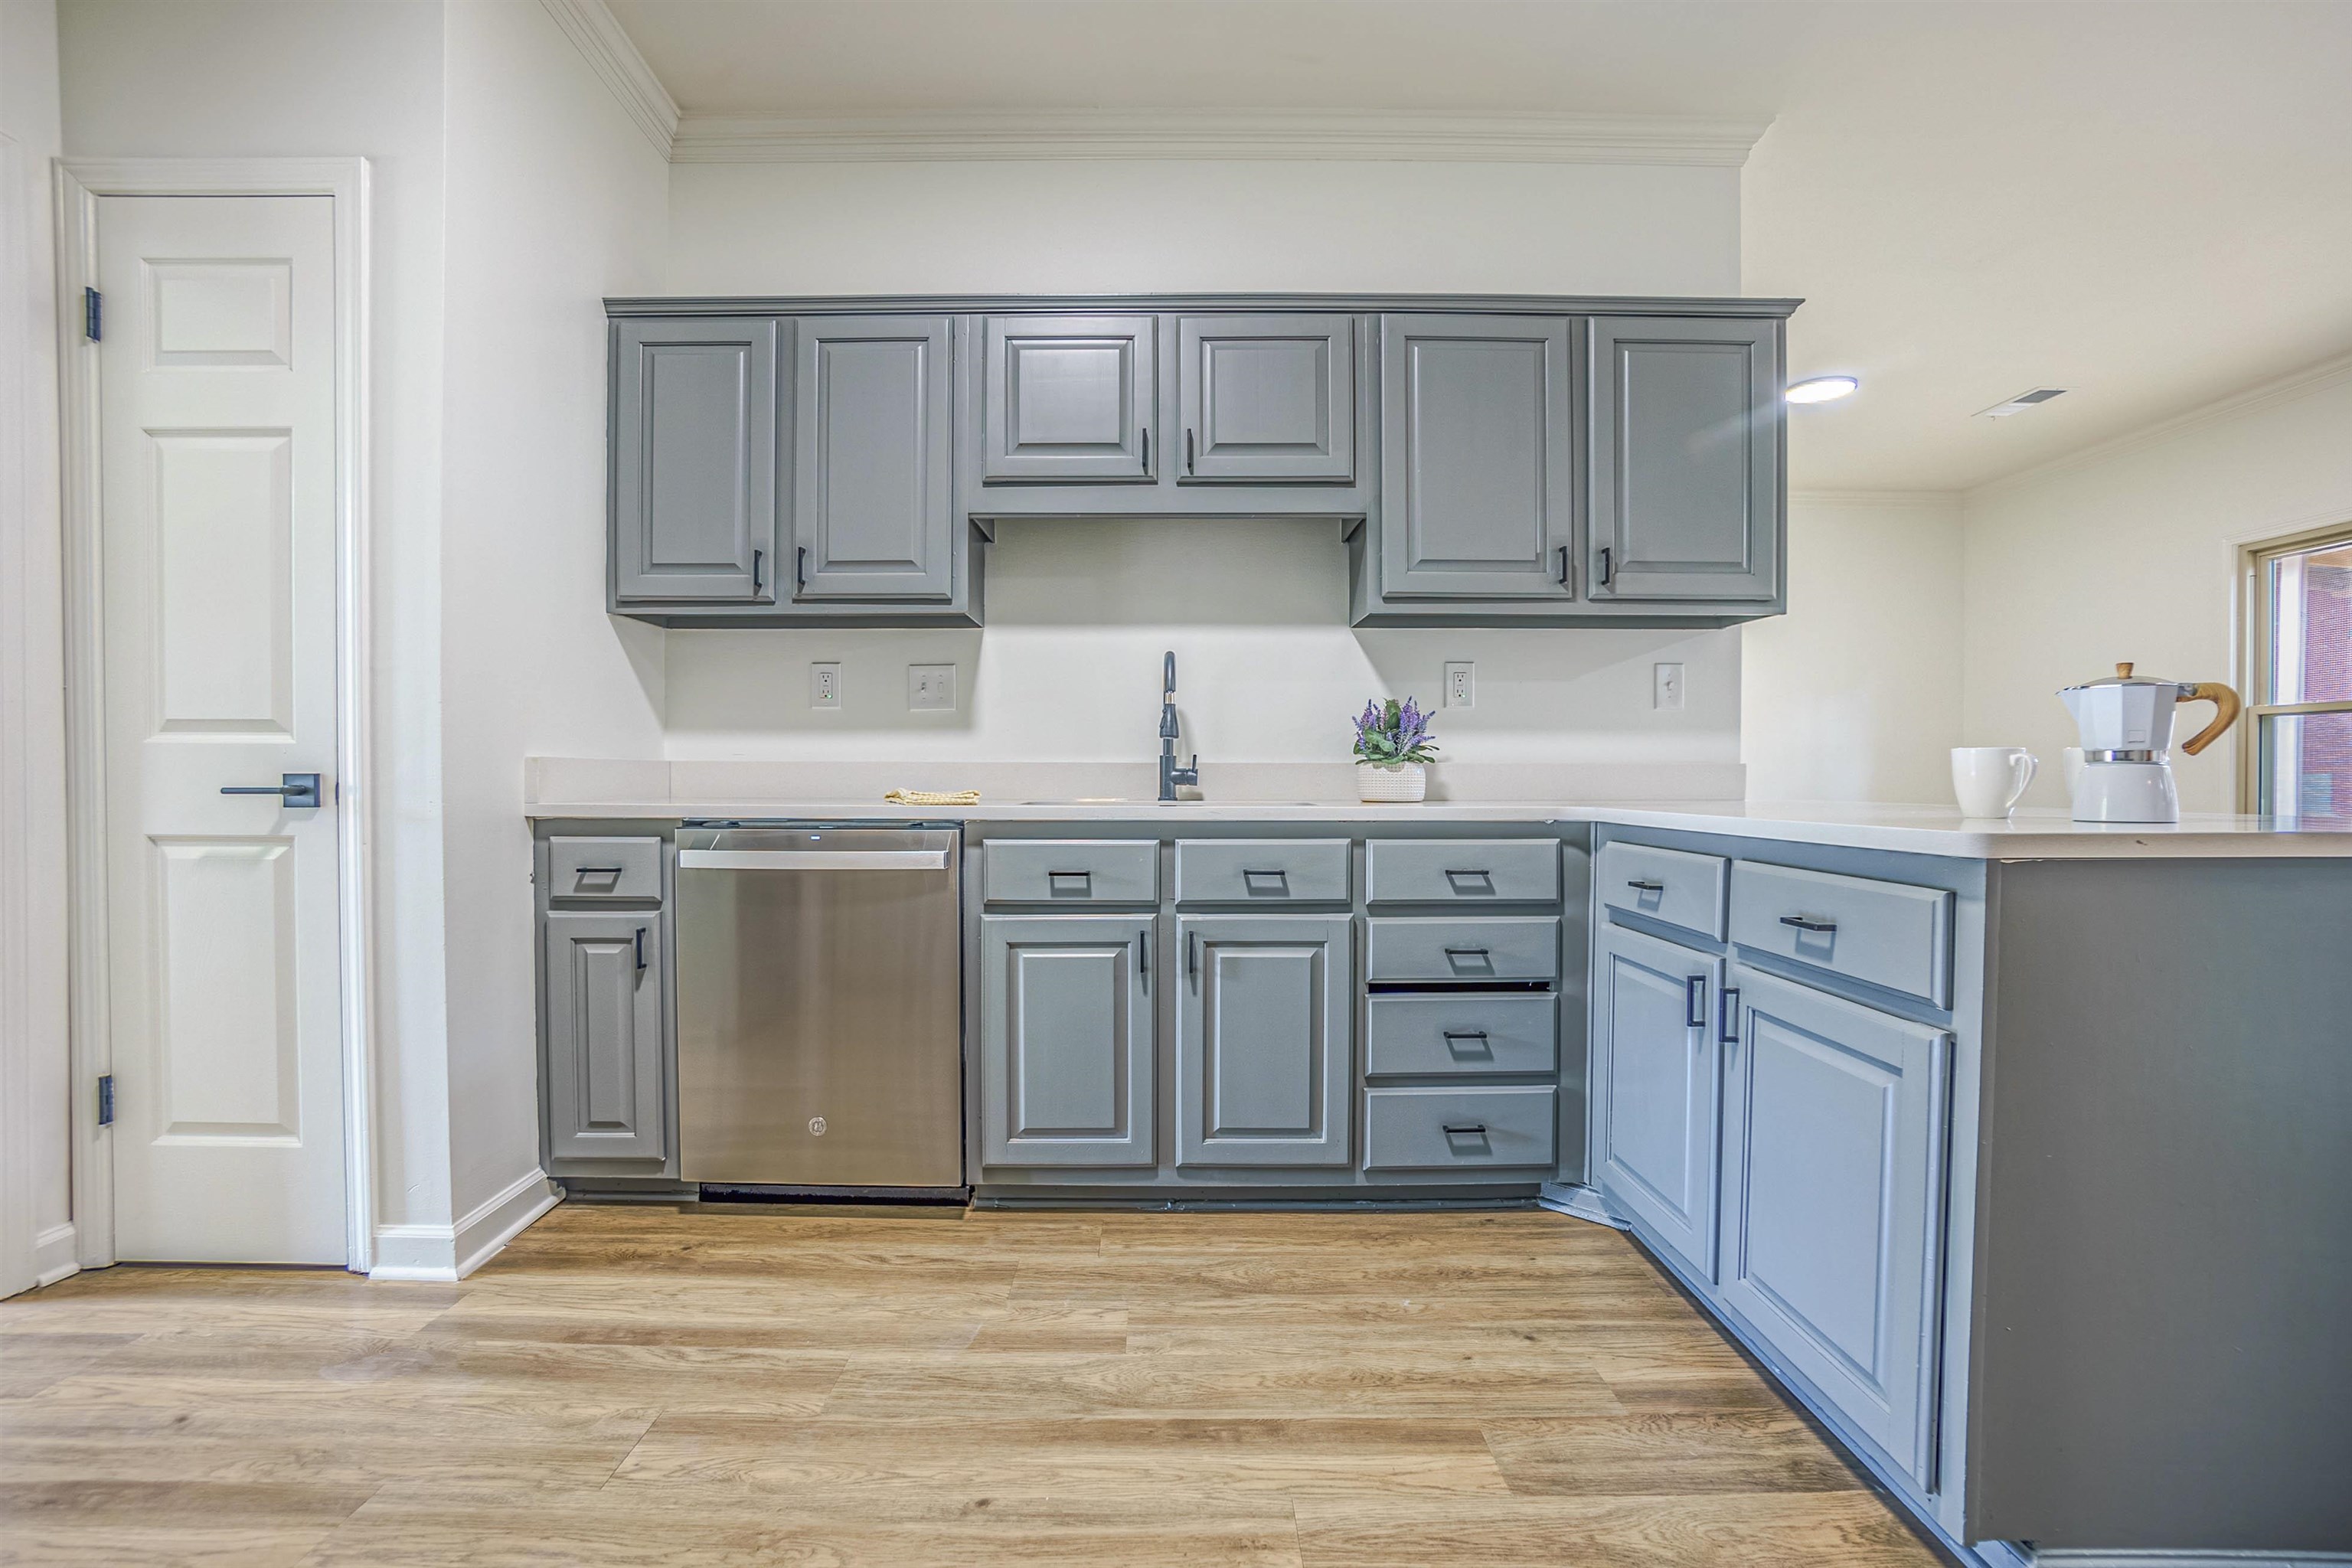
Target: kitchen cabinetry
<point x="1068" y="397"/>
<point x="693" y="473"/>
<point x="1263" y="1072"/>
<point x="604" y="1020"/>
<point x="1656" y="1083"/>
<point x="1067" y="1040"/>
<point x="872" y="510"/>
<point x="1267" y="398"/>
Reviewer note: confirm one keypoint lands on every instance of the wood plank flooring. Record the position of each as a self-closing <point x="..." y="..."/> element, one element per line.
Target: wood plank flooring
<point x="708" y="1387"/>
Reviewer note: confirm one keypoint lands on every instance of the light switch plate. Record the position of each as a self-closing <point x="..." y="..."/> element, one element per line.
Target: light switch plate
<point x="1461" y="683"/>
<point x="824" y="686"/>
<point x="930" y="688"/>
<point x="1667" y="690"/>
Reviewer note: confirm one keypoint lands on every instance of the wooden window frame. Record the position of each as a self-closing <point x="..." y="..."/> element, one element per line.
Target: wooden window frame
<point x="2257" y="610"/>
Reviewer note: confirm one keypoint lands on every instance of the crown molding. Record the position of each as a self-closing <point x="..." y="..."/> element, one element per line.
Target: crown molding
<point x="594" y="31"/>
<point x="1254" y="135"/>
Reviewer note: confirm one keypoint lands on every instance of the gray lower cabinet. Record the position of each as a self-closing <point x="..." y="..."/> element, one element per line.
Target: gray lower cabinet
<point x="1656" y="1082"/>
<point x="1477" y="457"/>
<point x="1067" y="1039"/>
<point x="1833" y="1201"/>
<point x="872" y="443"/>
<point x="1265" y="1074"/>
<point x="605" y="1068"/>
<point x="1068" y="397"/>
<point x="1686" y="460"/>
<point x="693" y="479"/>
<point x="1267" y="398"/>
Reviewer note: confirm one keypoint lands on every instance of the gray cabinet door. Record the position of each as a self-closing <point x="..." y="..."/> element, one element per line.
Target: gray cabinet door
<point x="1069" y="397"/>
<point x="1267" y="398"/>
<point x="1067" y="1059"/>
<point x="1264" y="1070"/>
<point x="694" y="487"/>
<point x="603" y="1019"/>
<point x="1477" y="457"/>
<point x="1833" y="1201"/>
<point x="1685" y="459"/>
<point x="874" y="484"/>
<point x="1655" y="1087"/>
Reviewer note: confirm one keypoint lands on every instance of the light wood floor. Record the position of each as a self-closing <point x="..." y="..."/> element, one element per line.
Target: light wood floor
<point x="643" y="1386"/>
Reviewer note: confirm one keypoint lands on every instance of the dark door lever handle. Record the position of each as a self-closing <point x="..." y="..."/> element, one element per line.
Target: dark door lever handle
<point x="293" y="790"/>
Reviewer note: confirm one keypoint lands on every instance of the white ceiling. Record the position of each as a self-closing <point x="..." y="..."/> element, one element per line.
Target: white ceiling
<point x="2148" y="203"/>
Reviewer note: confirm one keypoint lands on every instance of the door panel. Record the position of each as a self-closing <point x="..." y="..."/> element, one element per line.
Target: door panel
<point x="1477" y="443"/>
<point x="874" y="511"/>
<point x="1268" y="398"/>
<point x="604" y="1056"/>
<point x="695" y="450"/>
<point x="218" y="473"/>
<point x="1068" y="397"/>
<point x="1264" y="1071"/>
<point x="1833" y="1199"/>
<point x="1685" y="459"/>
<point x="1066" y="1040"/>
<point x="1656" y="1088"/>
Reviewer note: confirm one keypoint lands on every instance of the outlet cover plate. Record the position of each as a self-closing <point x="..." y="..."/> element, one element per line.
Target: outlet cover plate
<point x="824" y="686"/>
<point x="930" y="688"/>
<point x="1461" y="683"/>
<point x="1667" y="688"/>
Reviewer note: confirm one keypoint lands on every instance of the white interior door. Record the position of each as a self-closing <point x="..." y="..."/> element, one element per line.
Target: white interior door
<point x="217" y="452"/>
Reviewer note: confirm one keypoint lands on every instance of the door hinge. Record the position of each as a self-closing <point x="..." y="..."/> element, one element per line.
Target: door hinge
<point x="106" y="1101"/>
<point x="90" y="303"/>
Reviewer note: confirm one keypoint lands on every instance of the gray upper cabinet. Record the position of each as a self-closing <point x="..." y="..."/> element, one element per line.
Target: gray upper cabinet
<point x="694" y="490"/>
<point x="1654" y="1075"/>
<point x="872" y="510"/>
<point x="606" y="1067"/>
<point x="1477" y="457"/>
<point x="1267" y="399"/>
<point x="1686" y="460"/>
<point x="1263" y="1072"/>
<point x="1066" y="1035"/>
<point x="1068" y="398"/>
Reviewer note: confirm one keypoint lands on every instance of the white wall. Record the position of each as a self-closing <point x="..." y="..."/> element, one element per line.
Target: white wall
<point x="1855" y="694"/>
<point x="2129" y="552"/>
<point x="555" y="200"/>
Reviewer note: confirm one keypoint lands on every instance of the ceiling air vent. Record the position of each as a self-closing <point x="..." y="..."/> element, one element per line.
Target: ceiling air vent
<point x="2020" y="402"/>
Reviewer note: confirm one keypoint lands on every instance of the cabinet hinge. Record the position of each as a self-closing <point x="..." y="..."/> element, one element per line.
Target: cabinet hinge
<point x="106" y="1101"/>
<point x="90" y="303"/>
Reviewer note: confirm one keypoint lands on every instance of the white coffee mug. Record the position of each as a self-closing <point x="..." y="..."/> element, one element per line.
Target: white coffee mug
<point x="1988" y="780"/>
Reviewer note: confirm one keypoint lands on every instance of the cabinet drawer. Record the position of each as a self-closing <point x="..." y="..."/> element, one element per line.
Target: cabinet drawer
<point x="1469" y="1034"/>
<point x="1888" y="933"/>
<point x="1462" y="870"/>
<point x="1458" y="1129"/>
<point x="1463" y="951"/>
<point x="1071" y="871"/>
<point x="604" y="871"/>
<point x="1670" y="885"/>
<point x="1262" y="871"/>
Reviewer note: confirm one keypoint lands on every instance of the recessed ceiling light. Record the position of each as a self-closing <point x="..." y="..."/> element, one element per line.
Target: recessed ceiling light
<point x="2020" y="402"/>
<point x="1823" y="389"/>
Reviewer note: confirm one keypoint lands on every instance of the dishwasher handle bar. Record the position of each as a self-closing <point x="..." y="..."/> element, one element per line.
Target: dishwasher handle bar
<point x="812" y="860"/>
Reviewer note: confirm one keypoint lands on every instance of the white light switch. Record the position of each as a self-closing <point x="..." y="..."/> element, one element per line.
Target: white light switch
<point x="824" y="686"/>
<point x="1461" y="683"/>
<point x="1668" y="691"/>
<point x="930" y="688"/>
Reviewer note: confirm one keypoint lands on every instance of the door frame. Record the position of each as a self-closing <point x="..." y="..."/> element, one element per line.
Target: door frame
<point x="80" y="184"/>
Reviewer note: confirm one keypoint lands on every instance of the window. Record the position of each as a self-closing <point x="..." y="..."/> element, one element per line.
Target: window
<point x="2298" y="761"/>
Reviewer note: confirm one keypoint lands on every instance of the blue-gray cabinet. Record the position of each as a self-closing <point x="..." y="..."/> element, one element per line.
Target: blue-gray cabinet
<point x="874" y="480"/>
<point x="1686" y="460"/>
<point x="1479" y="422"/>
<point x="603" y="1019"/>
<point x="1657" y="1078"/>
<point x="1069" y="398"/>
<point x="1267" y="398"/>
<point x="1265" y="1072"/>
<point x="692" y="480"/>
<point x="1833" y="1199"/>
<point x="1067" y="1040"/>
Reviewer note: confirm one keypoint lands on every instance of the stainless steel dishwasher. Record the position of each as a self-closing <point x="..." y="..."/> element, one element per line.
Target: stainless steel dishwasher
<point x="818" y="1008"/>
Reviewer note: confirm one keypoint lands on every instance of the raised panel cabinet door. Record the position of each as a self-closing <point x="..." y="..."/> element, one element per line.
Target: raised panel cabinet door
<point x="1833" y="1201"/>
<point x="1656" y="1088"/>
<point x="1685" y="459"/>
<point x="1267" y="398"/>
<point x="1477" y="457"/>
<point x="605" y="1097"/>
<point x="1265" y="1071"/>
<point x="694" y="461"/>
<point x="873" y="510"/>
<point x="1067" y="1040"/>
<point x="1069" y="397"/>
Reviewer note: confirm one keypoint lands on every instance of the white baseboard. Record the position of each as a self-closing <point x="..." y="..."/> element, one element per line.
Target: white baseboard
<point x="2060" y="1557"/>
<point x="450" y="1252"/>
<point x="1580" y="1202"/>
<point x="56" y="1254"/>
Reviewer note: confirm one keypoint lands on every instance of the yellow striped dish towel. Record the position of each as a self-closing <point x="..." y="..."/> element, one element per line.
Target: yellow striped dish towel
<point x="934" y="797"/>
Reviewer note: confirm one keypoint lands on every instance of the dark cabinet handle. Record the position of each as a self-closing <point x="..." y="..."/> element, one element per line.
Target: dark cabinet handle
<point x="639" y="942"/>
<point x="1563" y="565"/>
<point x="578" y="872"/>
<point x="1143" y="957"/>
<point x="1464" y="1129"/>
<point x="800" y="568"/>
<point x="1608" y="566"/>
<point x="1728" y="1034"/>
<point x="759" y="559"/>
<point x="1083" y="884"/>
<point x="296" y="791"/>
<point x="1465" y="1034"/>
<point x="1818" y="927"/>
<point x="1146" y="434"/>
<point x="1639" y="886"/>
<point x="1192" y="954"/>
<point x="1280" y="878"/>
<point x="1695" y="1000"/>
<point x="1469" y="952"/>
<point x="1187" y="452"/>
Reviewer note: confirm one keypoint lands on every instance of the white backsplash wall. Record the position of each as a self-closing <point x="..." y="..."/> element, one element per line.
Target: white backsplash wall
<point x="1267" y="667"/>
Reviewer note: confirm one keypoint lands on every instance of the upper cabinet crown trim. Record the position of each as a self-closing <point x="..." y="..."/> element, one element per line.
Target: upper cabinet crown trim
<point x="1003" y="304"/>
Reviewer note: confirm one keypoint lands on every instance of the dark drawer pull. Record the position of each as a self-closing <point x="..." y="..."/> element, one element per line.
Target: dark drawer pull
<point x="1465" y="1034"/>
<point x="1640" y="886"/>
<point x="1465" y="1129"/>
<point x="1801" y="923"/>
<point x="596" y="870"/>
<point x="639" y="943"/>
<point x="1468" y="953"/>
<point x="1728" y="1032"/>
<point x="1278" y="876"/>
<point x="1084" y="879"/>
<point x="1695" y="1000"/>
<point x="1485" y="877"/>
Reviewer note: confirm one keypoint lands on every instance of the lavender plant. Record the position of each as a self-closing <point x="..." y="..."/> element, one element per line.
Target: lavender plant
<point x="1391" y="732"/>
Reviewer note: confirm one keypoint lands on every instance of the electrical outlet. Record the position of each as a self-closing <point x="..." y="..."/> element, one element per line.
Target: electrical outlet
<point x="824" y="686"/>
<point x="1667" y="690"/>
<point x="1461" y="683"/>
<point x="930" y="688"/>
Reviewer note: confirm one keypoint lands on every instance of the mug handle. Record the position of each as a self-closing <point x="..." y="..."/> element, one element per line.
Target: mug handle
<point x="2032" y="765"/>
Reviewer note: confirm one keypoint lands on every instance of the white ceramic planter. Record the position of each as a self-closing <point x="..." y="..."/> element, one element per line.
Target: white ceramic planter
<point x="1394" y="782"/>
